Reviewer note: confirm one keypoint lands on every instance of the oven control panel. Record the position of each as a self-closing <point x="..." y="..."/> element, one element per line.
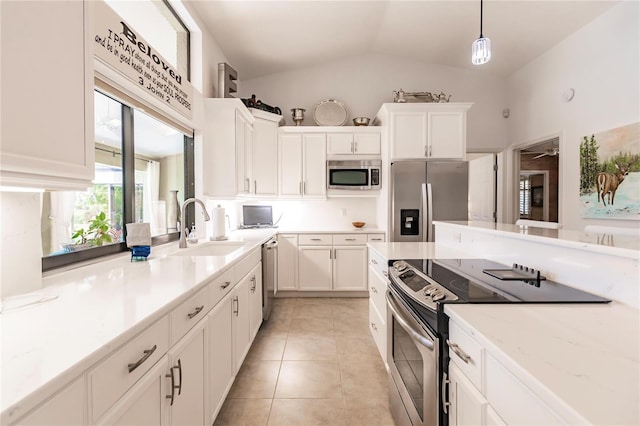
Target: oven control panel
<point x="420" y="287"/>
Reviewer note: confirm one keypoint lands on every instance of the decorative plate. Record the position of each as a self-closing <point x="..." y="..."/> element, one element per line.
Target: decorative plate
<point x="330" y="113"/>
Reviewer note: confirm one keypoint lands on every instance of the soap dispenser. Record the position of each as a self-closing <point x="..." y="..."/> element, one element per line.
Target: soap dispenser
<point x="193" y="235"/>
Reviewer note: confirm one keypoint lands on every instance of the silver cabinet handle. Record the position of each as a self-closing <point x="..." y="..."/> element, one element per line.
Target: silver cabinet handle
<point x="349" y="239"/>
<point x="247" y="185"/>
<point x="429" y="150"/>
<point x="304" y="187"/>
<point x="444" y="394"/>
<point x="173" y="381"/>
<point x="385" y="273"/>
<point x="225" y="285"/>
<point x="373" y="289"/>
<point x="456" y="350"/>
<point x="352" y="150"/>
<point x="316" y="239"/>
<point x="253" y="286"/>
<point x="237" y="302"/>
<point x="374" y="261"/>
<point x="373" y="325"/>
<point x="195" y="312"/>
<point x="376" y="239"/>
<point x="424" y="341"/>
<point x="355" y="144"/>
<point x="255" y="186"/>
<point x="300" y="188"/>
<point x="147" y="353"/>
<point x="180" y="376"/>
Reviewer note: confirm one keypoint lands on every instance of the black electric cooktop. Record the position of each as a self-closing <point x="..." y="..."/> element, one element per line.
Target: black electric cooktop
<point x="468" y="281"/>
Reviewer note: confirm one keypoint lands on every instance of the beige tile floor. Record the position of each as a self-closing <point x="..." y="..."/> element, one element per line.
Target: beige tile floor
<point x="313" y="363"/>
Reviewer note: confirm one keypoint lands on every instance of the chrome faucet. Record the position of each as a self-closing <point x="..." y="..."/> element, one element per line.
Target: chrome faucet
<point x="183" y="231"/>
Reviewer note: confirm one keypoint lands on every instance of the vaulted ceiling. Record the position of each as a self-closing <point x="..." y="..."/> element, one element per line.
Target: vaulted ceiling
<point x="264" y="37"/>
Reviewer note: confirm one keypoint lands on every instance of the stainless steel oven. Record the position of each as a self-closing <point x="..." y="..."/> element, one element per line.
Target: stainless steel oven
<point x="413" y="352"/>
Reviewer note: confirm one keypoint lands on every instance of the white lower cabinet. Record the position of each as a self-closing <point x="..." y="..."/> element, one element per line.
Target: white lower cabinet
<point x="66" y="408"/>
<point x="220" y="356"/>
<point x="255" y="300"/>
<point x="287" y="262"/>
<point x="186" y="371"/>
<point x="466" y="402"/>
<point x="146" y="403"/>
<point x="314" y="268"/>
<point x="350" y="268"/>
<point x="240" y="322"/>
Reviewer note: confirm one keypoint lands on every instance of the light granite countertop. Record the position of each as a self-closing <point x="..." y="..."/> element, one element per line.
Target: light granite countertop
<point x="582" y="360"/>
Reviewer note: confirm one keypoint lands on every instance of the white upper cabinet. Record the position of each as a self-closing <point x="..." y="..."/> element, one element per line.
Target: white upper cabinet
<point x="265" y="153"/>
<point x="47" y="133"/>
<point x="359" y="141"/>
<point x="244" y="154"/>
<point x="227" y="131"/>
<point x="302" y="165"/>
<point x="425" y="130"/>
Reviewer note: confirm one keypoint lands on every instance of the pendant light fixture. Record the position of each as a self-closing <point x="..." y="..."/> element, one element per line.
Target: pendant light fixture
<point x="481" y="48"/>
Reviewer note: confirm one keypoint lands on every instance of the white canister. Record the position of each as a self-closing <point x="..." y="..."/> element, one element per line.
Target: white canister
<point x="218" y="217"/>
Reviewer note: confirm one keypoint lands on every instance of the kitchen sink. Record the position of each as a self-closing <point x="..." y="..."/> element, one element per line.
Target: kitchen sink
<point x="210" y="249"/>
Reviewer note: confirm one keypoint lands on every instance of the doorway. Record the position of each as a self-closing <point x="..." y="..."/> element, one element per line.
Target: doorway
<point x="483" y="182"/>
<point x="538" y="181"/>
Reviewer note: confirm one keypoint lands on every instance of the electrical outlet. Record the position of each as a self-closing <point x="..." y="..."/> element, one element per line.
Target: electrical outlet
<point x="343" y="212"/>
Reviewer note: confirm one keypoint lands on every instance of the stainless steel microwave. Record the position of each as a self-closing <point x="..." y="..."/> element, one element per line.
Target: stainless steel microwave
<point x="358" y="175"/>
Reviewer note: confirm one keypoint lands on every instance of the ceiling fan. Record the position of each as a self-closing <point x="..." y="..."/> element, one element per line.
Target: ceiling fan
<point x="550" y="152"/>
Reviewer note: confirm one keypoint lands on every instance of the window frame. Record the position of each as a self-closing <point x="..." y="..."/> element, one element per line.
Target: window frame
<point x="128" y="188"/>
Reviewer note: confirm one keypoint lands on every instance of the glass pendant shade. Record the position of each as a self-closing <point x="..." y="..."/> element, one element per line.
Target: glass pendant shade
<point x="481" y="51"/>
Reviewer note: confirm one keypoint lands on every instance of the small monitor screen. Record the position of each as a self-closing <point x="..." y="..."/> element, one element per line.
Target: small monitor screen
<point x="257" y="215"/>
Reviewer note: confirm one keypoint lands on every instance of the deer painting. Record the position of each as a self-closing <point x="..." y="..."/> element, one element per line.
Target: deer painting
<point x="607" y="183"/>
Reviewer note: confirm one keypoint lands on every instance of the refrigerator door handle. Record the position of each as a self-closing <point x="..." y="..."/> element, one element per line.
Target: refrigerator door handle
<point x="427" y="213"/>
<point x="424" y="212"/>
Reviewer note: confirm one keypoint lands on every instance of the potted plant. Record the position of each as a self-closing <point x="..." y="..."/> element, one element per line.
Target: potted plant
<point x="97" y="234"/>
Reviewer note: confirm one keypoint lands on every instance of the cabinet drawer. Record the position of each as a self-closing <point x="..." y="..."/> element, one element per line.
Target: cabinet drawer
<point x="379" y="263"/>
<point x="114" y="376"/>
<point x="378" y="329"/>
<point x="221" y="286"/>
<point x="315" y="239"/>
<point x="375" y="238"/>
<point x="377" y="291"/>
<point x="463" y="347"/>
<point x="349" y="239"/>
<point x="188" y="314"/>
<point x="245" y="265"/>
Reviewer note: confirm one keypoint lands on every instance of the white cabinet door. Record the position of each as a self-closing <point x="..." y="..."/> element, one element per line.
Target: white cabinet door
<point x="350" y="268"/>
<point x="366" y="143"/>
<point x="290" y="168"/>
<point x="265" y="158"/>
<point x="64" y="409"/>
<point x="314" y="268"/>
<point x="240" y="322"/>
<point x="146" y="403"/>
<point x="244" y="143"/>
<point x="491" y="418"/>
<point x="220" y="356"/>
<point x="408" y="135"/>
<point x="467" y="404"/>
<point x="340" y="143"/>
<point x="255" y="300"/>
<point x="287" y="262"/>
<point x="315" y="168"/>
<point x="47" y="130"/>
<point x="446" y="136"/>
<point x="186" y="364"/>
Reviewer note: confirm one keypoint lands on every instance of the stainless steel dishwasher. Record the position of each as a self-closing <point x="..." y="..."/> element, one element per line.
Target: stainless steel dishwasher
<point x="269" y="275"/>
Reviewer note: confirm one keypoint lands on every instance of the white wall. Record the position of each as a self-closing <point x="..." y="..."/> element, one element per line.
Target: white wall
<point x="364" y="83"/>
<point x="601" y="63"/>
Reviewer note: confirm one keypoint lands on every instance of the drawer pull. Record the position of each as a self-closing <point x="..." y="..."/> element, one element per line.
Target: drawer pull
<point x="349" y="239"/>
<point x="253" y="286"/>
<point x="374" y="261"/>
<point x="237" y="302"/>
<point x="316" y="239"/>
<point x="373" y="289"/>
<point x="444" y="397"/>
<point x="385" y="273"/>
<point x="147" y="353"/>
<point x="173" y="381"/>
<point x="373" y="325"/>
<point x="461" y="354"/>
<point x="196" y="312"/>
<point x="376" y="239"/>
<point x="225" y="285"/>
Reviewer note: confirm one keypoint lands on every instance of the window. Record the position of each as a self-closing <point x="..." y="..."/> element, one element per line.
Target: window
<point x="144" y="186"/>
<point x="159" y="25"/>
<point x="525" y="196"/>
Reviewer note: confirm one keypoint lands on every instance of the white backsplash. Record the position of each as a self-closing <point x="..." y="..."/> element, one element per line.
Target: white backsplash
<point x="20" y="243"/>
<point x="332" y="213"/>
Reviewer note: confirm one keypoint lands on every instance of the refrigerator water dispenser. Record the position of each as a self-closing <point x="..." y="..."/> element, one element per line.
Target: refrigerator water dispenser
<point x="409" y="222"/>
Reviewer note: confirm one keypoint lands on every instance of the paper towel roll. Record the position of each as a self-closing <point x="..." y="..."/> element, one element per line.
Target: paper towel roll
<point x="218" y="217"/>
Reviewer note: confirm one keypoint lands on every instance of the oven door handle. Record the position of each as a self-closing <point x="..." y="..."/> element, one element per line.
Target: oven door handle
<point x="405" y="324"/>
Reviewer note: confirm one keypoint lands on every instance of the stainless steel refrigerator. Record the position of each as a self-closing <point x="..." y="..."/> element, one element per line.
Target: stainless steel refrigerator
<point x="424" y="191"/>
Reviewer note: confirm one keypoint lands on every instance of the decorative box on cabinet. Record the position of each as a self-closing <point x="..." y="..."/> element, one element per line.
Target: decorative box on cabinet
<point x="226" y="133"/>
<point x="302" y="168"/>
<point x="425" y="130"/>
<point x="47" y="132"/>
